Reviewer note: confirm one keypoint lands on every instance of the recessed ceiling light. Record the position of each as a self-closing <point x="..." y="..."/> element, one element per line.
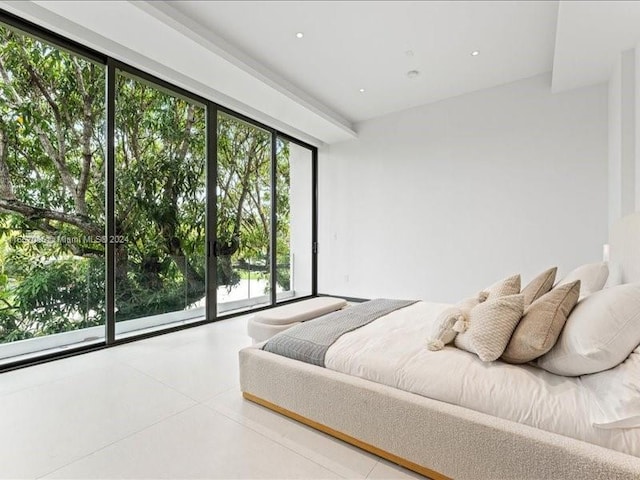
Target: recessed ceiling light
<point x="413" y="73"/>
<point x="475" y="53"/>
<point x="361" y="90"/>
<point x="299" y="35"/>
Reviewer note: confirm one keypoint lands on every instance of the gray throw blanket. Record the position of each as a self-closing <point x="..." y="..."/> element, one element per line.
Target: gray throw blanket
<point x="309" y="341"/>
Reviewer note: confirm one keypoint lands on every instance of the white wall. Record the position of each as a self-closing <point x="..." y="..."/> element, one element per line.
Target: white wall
<point x="637" y="125"/>
<point x="438" y="201"/>
<point x="624" y="135"/>
<point x="300" y="201"/>
<point x="628" y="130"/>
<point x="615" y="143"/>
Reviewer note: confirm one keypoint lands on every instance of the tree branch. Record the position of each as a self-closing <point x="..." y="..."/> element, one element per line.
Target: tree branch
<point x="87" y="134"/>
<point x="184" y="145"/>
<point x="7" y="81"/>
<point x="75" y="248"/>
<point x="35" y="213"/>
<point x="6" y="188"/>
<point x="60" y="158"/>
<point x="56" y="156"/>
<point x="38" y="81"/>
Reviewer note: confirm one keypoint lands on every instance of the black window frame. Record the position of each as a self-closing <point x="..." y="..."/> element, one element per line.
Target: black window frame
<point x="112" y="66"/>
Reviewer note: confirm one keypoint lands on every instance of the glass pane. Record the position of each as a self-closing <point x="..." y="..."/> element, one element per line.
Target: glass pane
<point x="294" y="215"/>
<point x="51" y="197"/>
<point x="160" y="207"/>
<point x="244" y="209"/>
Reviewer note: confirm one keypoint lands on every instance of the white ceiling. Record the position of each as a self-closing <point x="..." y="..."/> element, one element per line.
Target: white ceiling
<point x="356" y="44"/>
<point x="245" y="55"/>
<point x="591" y="36"/>
<point x="158" y="41"/>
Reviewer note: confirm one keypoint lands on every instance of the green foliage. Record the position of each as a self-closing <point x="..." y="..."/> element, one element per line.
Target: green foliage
<point x="283" y="182"/>
<point x="52" y="191"/>
<point x="60" y="295"/>
<point x="160" y="194"/>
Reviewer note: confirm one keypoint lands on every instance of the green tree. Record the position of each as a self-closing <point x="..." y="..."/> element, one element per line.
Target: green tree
<point x="160" y="200"/>
<point x="51" y="187"/>
<point x="52" y="121"/>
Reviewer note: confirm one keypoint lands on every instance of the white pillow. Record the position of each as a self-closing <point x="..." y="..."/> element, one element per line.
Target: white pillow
<point x="602" y="330"/>
<point x="592" y="276"/>
<point x="614" y="395"/>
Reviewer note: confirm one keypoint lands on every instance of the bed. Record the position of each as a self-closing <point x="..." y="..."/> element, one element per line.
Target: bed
<point x="446" y="414"/>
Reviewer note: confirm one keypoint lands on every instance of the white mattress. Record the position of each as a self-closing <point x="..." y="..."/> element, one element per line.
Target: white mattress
<point x="392" y="351"/>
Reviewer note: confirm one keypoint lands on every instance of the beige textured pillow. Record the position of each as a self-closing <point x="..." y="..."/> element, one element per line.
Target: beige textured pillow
<point x="490" y="327"/>
<point x="470" y="303"/>
<point x="508" y="286"/>
<point x="539" y="286"/>
<point x="539" y="329"/>
<point x="453" y="320"/>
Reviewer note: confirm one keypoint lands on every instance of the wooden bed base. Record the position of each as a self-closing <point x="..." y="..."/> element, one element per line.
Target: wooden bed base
<point x="347" y="438"/>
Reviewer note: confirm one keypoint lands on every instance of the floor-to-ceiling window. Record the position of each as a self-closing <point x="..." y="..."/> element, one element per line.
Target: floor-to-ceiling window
<point x="51" y="196"/>
<point x="294" y="230"/>
<point x="160" y="200"/>
<point x="244" y="214"/>
<point x="129" y="205"/>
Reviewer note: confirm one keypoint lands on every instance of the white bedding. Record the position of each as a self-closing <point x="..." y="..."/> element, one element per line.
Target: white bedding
<point x="392" y="351"/>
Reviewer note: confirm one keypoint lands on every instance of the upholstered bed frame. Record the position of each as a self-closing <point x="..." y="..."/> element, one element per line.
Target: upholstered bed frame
<point x="433" y="438"/>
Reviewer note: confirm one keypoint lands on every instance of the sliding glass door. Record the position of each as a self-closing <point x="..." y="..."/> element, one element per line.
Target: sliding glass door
<point x="294" y="208"/>
<point x="129" y="205"/>
<point x="264" y="228"/>
<point x="52" y="118"/>
<point x="243" y="192"/>
<point x="160" y="171"/>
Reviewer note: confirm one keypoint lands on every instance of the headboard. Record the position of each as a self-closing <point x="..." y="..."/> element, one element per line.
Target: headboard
<point x="624" y="248"/>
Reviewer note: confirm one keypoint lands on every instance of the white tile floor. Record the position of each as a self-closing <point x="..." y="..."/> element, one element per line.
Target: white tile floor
<point x="167" y="407"/>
